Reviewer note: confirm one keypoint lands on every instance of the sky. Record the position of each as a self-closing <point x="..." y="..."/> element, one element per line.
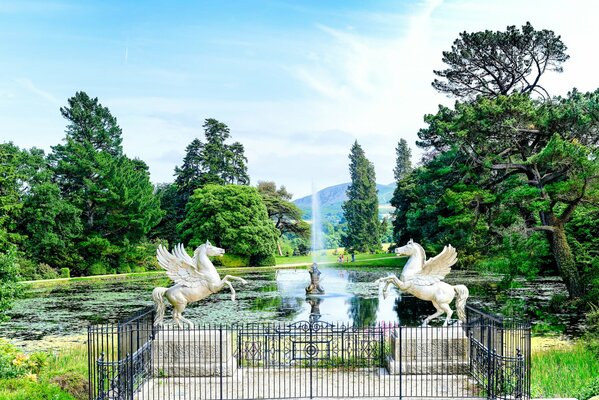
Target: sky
<point x="297" y="82"/>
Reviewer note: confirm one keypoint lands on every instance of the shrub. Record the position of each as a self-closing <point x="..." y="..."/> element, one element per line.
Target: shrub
<point x="13" y="363"/>
<point x="65" y="273"/>
<point x="74" y="383"/>
<point x="98" y="268"/>
<point x="46" y="272"/>
<point x="262" y="261"/>
<point x="231" y="260"/>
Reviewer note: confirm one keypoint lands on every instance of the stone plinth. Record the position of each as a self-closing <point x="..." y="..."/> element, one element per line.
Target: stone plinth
<point x="193" y="353"/>
<point x="431" y="350"/>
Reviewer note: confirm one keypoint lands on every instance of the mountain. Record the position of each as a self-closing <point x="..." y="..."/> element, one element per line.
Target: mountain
<point x="332" y="197"/>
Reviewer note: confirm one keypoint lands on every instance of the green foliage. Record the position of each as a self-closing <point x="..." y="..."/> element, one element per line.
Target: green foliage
<point x="233" y="217"/>
<point x="498" y="63"/>
<point x="9" y="289"/>
<point x="28" y="389"/>
<point x="520" y="162"/>
<point x="361" y="208"/>
<point x="14" y="363"/>
<point x="12" y="175"/>
<point x="65" y="273"/>
<point x="111" y="193"/>
<point x="286" y="216"/>
<point x="212" y="161"/>
<point x="590" y="389"/>
<point x="403" y="161"/>
<point x="231" y="260"/>
<point x="173" y="208"/>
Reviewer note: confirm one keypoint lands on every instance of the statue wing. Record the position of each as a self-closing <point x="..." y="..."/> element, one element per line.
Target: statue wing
<point x="435" y="269"/>
<point x="179" y="270"/>
<point x="179" y="252"/>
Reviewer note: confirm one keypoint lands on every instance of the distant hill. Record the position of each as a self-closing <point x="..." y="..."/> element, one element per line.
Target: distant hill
<point x="332" y="197"/>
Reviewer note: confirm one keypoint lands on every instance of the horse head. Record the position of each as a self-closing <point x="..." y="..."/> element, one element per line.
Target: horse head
<point x="409" y="249"/>
<point x="211" y="250"/>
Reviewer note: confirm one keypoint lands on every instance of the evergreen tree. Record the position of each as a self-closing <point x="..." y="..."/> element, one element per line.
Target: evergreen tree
<point x="190" y="175"/>
<point x="212" y="161"/>
<point x="113" y="193"/>
<point x="403" y="163"/>
<point x="499" y="63"/>
<point x="361" y="208"/>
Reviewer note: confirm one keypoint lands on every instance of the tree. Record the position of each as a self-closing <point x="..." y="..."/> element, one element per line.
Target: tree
<point x="540" y="157"/>
<point x="499" y="63"/>
<point x="212" y="161"/>
<point x="11" y="178"/>
<point x="113" y="193"/>
<point x="171" y="205"/>
<point x="9" y="288"/>
<point x="403" y="163"/>
<point x="286" y="216"/>
<point x="233" y="217"/>
<point x="361" y="208"/>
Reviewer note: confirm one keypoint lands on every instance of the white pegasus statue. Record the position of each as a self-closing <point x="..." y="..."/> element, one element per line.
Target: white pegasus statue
<point x="424" y="279"/>
<point x="195" y="279"/>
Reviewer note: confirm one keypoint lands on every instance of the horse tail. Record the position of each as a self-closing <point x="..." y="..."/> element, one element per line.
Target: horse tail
<point x="460" y="302"/>
<point x="157" y="296"/>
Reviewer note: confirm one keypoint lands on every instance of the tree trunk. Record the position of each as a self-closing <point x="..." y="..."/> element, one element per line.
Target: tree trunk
<point x="565" y="262"/>
<point x="279" y="248"/>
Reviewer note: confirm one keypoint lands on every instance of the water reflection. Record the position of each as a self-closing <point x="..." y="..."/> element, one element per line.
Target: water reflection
<point x="350" y="298"/>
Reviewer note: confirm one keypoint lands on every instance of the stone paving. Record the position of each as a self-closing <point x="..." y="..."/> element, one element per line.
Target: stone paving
<point x="257" y="383"/>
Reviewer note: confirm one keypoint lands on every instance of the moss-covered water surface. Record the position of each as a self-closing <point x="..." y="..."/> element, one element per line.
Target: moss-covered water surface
<point x="64" y="309"/>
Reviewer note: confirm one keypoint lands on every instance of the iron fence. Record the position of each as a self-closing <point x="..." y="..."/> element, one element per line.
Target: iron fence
<point x="134" y="360"/>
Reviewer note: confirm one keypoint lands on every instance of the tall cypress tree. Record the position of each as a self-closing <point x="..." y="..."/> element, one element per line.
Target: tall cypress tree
<point x="403" y="163"/>
<point x="361" y="208"/>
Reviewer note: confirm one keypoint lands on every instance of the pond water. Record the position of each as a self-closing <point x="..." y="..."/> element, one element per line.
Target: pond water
<point x="270" y="295"/>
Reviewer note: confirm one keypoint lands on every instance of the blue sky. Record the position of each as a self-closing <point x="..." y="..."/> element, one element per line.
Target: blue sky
<point x="296" y="81"/>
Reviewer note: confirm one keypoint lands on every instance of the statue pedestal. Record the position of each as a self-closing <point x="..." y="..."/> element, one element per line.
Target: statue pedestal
<point x="193" y="353"/>
<point x="431" y="350"/>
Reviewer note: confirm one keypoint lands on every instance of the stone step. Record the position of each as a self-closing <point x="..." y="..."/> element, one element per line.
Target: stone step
<point x="195" y="369"/>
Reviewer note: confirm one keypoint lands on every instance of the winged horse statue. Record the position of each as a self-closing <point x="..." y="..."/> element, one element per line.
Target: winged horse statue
<point x="424" y="279"/>
<point x="195" y="279"/>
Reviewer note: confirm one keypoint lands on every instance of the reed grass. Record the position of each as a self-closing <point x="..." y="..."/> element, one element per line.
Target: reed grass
<point x="563" y="371"/>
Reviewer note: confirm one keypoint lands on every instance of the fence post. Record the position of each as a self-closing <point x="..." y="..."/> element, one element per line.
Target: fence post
<point x="220" y="334"/>
<point x="400" y="363"/>
<point x="490" y="362"/>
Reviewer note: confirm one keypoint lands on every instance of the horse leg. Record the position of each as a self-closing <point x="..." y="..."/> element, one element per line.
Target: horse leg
<point x="447" y="311"/>
<point x="178" y="314"/>
<point x="220" y="285"/>
<point x="235" y="278"/>
<point x="435" y="315"/>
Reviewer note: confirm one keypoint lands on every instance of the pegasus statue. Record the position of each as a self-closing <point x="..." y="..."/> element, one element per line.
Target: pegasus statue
<point x="195" y="279"/>
<point x="424" y="279"/>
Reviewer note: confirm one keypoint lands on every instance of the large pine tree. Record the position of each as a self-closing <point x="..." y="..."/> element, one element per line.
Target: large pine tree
<point x="113" y="193"/>
<point x="361" y="208"/>
<point x="211" y="162"/>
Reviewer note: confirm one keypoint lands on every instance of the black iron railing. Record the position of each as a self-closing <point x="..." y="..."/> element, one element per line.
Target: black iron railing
<point x="486" y="357"/>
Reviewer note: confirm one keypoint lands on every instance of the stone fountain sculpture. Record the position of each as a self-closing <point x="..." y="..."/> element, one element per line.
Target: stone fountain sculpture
<point x="314" y="287"/>
<point x="195" y="279"/>
<point x="424" y="279"/>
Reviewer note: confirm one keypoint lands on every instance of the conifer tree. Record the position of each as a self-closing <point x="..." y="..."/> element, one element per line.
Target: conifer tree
<point x="361" y="208"/>
<point x="403" y="163"/>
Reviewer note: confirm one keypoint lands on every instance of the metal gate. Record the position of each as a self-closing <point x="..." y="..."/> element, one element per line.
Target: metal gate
<point x="135" y="360"/>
